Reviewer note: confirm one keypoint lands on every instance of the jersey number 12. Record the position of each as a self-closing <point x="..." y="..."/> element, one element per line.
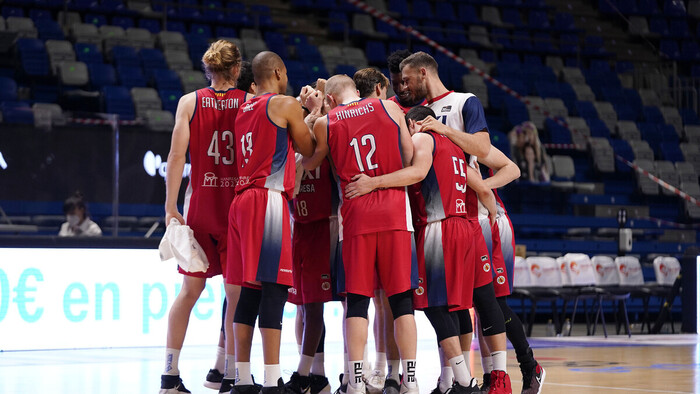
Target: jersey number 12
<point x="367" y="138"/>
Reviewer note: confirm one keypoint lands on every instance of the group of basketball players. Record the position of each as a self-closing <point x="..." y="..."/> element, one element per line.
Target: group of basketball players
<point x="383" y="199"/>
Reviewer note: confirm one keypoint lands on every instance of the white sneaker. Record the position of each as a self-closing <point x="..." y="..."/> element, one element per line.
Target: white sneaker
<point x="359" y="390"/>
<point x="375" y="382"/>
<point x="405" y="390"/>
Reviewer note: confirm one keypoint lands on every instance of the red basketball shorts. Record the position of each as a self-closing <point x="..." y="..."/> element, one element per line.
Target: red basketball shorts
<point x="501" y="244"/>
<point x="314" y="247"/>
<point x="443" y="249"/>
<point x="259" y="239"/>
<point x="388" y="253"/>
<point x="479" y="255"/>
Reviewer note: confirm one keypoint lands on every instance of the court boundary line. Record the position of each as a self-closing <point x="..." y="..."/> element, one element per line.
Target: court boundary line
<point x="547" y="383"/>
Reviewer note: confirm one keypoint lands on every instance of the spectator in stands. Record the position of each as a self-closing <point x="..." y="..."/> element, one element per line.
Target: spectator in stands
<point x="528" y="153"/>
<point x="78" y="223"/>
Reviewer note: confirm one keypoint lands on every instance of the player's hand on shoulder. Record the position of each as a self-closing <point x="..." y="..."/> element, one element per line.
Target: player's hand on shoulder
<point x="361" y="184"/>
<point x="432" y="124"/>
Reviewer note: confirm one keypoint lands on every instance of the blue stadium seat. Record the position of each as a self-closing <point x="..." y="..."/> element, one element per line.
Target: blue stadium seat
<point x="102" y="75"/>
<point x="8" y="11"/>
<point x="511" y="16"/>
<point x="170" y="98"/>
<point x="564" y="21"/>
<point x="651" y="134"/>
<point x="17" y="112"/>
<point x="585" y="109"/>
<point x="399" y="6"/>
<point x="690" y="50"/>
<point x="689" y="116"/>
<point x="275" y="42"/>
<point x="111" y="7"/>
<point x="40" y="15"/>
<point x="445" y="11"/>
<point x="455" y="34"/>
<point x="523" y="42"/>
<point x="346" y="69"/>
<point x="622" y="148"/>
<point x="176" y="26"/>
<point x="502" y="37"/>
<point x="648" y="7"/>
<point x="166" y="80"/>
<point x="558" y="134"/>
<point x="87" y="53"/>
<point x="598" y="128"/>
<point x="226" y="31"/>
<point x="124" y="22"/>
<point x="433" y="30"/>
<point x="627" y="7"/>
<point x="383" y="27"/>
<point x="674" y="8"/>
<point x="625" y="112"/>
<point x="316" y="71"/>
<point x="131" y="76"/>
<point x="500" y="141"/>
<point x="49" y="30"/>
<point x="152" y="59"/>
<point x="669" y="49"/>
<point x="568" y="44"/>
<point x="95" y="19"/>
<point x="538" y="19"/>
<point x="376" y="52"/>
<point x="633" y="99"/>
<point x="338" y="23"/>
<point x="152" y="25"/>
<point x="652" y="114"/>
<point x="671" y="151"/>
<point x="124" y="56"/>
<point x="117" y="100"/>
<point x="33" y="57"/>
<point x="678" y="28"/>
<point x="659" y="26"/>
<point x="200" y="30"/>
<point x="309" y="53"/>
<point x="422" y="10"/>
<point x="212" y="11"/>
<point x="542" y="43"/>
<point x="8" y="89"/>
<point x="466" y="13"/>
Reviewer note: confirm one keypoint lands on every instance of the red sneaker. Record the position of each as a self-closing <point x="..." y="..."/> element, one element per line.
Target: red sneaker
<point x="500" y="383"/>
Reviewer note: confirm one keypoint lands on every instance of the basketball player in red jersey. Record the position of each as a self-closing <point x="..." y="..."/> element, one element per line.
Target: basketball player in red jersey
<point x="370" y="136"/>
<point x="447" y="283"/>
<point x="403" y="97"/>
<point x="205" y="122"/>
<point x="268" y="129"/>
<point x="464" y="115"/>
<point x="371" y="83"/>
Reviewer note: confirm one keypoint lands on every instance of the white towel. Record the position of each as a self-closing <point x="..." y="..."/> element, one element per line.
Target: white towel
<point x="179" y="243"/>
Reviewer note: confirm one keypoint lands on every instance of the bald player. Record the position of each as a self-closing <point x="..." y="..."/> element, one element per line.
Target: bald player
<point x="370" y="136"/>
<point x="270" y="126"/>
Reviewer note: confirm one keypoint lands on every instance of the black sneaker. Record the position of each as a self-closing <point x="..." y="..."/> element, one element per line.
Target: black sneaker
<point x="473" y="388"/>
<point x="533" y="379"/>
<point x="213" y="379"/>
<point x="298" y="384"/>
<point x="343" y="388"/>
<point x="172" y="384"/>
<point x="226" y="385"/>
<point x="391" y="386"/>
<point x="486" y="385"/>
<point x="279" y="389"/>
<point x="245" y="389"/>
<point x="437" y="390"/>
<point x="319" y="384"/>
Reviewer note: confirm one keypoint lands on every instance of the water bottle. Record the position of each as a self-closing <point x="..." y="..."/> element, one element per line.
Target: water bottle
<point x="550" y="328"/>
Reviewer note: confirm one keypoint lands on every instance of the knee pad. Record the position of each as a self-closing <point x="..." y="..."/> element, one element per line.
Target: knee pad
<point x="492" y="322"/>
<point x="401" y="304"/>
<point x="247" y="308"/>
<point x="464" y="321"/>
<point x="357" y="306"/>
<point x="272" y="301"/>
<point x="441" y="320"/>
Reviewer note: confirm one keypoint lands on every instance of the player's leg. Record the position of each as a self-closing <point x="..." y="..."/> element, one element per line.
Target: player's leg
<point x="216" y="374"/>
<point x="493" y="330"/>
<point x="272" y="300"/>
<point x="233" y="293"/>
<point x="178" y="319"/>
<point x="375" y="380"/>
<point x="392" y="350"/>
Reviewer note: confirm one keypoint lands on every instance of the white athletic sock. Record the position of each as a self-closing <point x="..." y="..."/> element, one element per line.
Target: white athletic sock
<point x="393" y="370"/>
<point x="499" y="361"/>
<point x="460" y="370"/>
<point x="230" y="366"/>
<point x="380" y="361"/>
<point x="487" y="364"/>
<point x="172" y="356"/>
<point x="346" y="374"/>
<point x="356" y="373"/>
<point x="409" y="373"/>
<point x="305" y="365"/>
<point x="318" y="367"/>
<point x="272" y="375"/>
<point x="299" y="349"/>
<point x="365" y="361"/>
<point x="220" y="363"/>
<point x="446" y="379"/>
<point x="243" y="373"/>
<point x="466" y="359"/>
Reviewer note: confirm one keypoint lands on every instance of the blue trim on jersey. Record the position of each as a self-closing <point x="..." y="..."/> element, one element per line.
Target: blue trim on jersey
<point x="430" y="189"/>
<point x="279" y="159"/>
<point x="267" y="110"/>
<point x="196" y="104"/>
<point x="435" y="276"/>
<point x="473" y="116"/>
<point x="271" y="245"/>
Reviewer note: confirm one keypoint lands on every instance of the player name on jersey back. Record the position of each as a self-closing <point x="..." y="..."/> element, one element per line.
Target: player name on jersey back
<point x="211" y="102"/>
<point x="354" y="112"/>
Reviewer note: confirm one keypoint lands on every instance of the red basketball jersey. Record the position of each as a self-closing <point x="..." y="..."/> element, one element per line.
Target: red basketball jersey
<point x="363" y="138"/>
<point x="406" y="109"/>
<point x="472" y="198"/>
<point x="214" y="173"/>
<point x="264" y="153"/>
<point x="318" y="195"/>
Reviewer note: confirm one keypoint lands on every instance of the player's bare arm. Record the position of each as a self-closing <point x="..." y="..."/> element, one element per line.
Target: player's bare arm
<point x="178" y="155"/>
<point x="476" y="183"/>
<point x="405" y="137"/>
<point x="477" y="144"/>
<point x="505" y="170"/>
<point x="287" y="110"/>
<point x="321" y="151"/>
<point x="416" y="172"/>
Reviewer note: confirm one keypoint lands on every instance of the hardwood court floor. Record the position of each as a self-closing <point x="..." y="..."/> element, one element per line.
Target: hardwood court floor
<point x="643" y="364"/>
